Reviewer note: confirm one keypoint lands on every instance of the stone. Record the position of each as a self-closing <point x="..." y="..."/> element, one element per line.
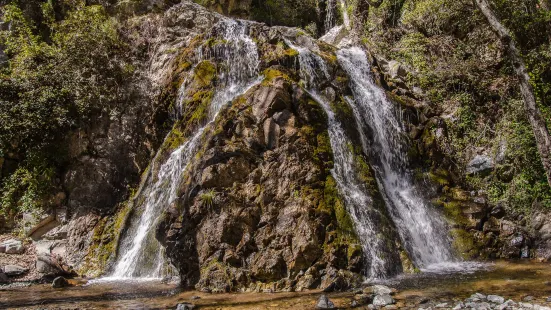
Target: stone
<point x="382" y="300"/>
<point x="478" y="297"/>
<point x="13" y="246"/>
<point x="548" y="299"/>
<point x="481" y="164"/>
<point x="60" y="282"/>
<point x="185" y="306"/>
<point x="354" y="304"/>
<point x="363" y="299"/>
<point x="14" y="270"/>
<point x="396" y="70"/>
<point x="4" y="277"/>
<point x="495" y="299"/>
<point x="325" y="303"/>
<point x="442" y="305"/>
<point x="528" y="298"/>
<point x="460" y="305"/>
<point x="379" y="290"/>
<point x="194" y="297"/>
<point x="526" y="305"/>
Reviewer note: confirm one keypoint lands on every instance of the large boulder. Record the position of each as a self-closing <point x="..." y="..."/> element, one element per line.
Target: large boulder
<point x="50" y="266"/>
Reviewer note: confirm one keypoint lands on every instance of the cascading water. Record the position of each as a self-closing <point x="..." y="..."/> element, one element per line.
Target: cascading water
<point x="140" y="254"/>
<point x="358" y="202"/>
<point x="421" y="228"/>
<point x="329" y="14"/>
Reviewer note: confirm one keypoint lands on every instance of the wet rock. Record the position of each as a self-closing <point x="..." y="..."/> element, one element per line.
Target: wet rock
<point x="60" y="282"/>
<point x="528" y="298"/>
<point x="382" y="300"/>
<point x="458" y="306"/>
<point x="14" y="270"/>
<point x="325" y="303"/>
<point x="495" y="299"/>
<point x="481" y="164"/>
<point x="442" y="305"/>
<point x="354" y="304"/>
<point x="548" y="299"/>
<point x="185" y="306"/>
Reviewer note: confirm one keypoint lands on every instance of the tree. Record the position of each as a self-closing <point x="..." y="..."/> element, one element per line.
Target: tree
<point x="541" y="133"/>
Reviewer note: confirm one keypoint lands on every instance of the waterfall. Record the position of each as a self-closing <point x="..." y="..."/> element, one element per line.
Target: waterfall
<point x="329" y="15"/>
<point x="313" y="71"/>
<point x="345" y="17"/>
<point x="140" y="255"/>
<point x="421" y="228"/>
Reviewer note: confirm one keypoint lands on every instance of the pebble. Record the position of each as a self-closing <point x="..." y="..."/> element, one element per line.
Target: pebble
<point x="548" y="299"/>
<point x="528" y="298"/>
<point x="495" y="299"/>
<point x="195" y="297"/>
<point x="442" y="305"/>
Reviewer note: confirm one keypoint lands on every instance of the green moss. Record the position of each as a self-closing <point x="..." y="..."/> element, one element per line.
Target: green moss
<point x="271" y="74"/>
<point x="464" y="243"/>
<point x="105" y="240"/>
<point x="440" y="176"/>
<point x="334" y="204"/>
<point x="204" y="73"/>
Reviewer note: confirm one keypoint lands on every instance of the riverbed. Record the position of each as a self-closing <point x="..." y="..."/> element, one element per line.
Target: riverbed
<point x="510" y="279"/>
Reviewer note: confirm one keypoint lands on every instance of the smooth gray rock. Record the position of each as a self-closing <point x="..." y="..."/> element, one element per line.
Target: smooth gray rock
<point x="528" y="298"/>
<point x="480" y="164"/>
<point x="382" y="300"/>
<point x="12" y="246"/>
<point x="60" y="282"/>
<point x="442" y="305"/>
<point x="14" y="270"/>
<point x="325" y="303"/>
<point x="495" y="299"/>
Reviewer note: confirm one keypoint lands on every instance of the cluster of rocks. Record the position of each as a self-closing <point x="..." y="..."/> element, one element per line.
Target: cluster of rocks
<point x="487" y="302"/>
<point x="375" y="297"/>
<point x="11" y="247"/>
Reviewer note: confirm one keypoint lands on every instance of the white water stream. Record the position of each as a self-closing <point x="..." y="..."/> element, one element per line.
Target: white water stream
<point x="421" y="228"/>
<point x="140" y="254"/>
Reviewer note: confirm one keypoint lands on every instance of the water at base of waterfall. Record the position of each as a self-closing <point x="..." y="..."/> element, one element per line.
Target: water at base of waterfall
<point x="141" y="257"/>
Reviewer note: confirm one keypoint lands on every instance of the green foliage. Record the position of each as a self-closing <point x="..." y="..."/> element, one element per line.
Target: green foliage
<point x="65" y="68"/>
<point x="25" y="190"/>
<point x="208" y="198"/>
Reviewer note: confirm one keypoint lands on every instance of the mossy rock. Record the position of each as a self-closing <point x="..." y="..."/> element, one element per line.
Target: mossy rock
<point x="204" y="73"/>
